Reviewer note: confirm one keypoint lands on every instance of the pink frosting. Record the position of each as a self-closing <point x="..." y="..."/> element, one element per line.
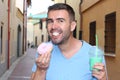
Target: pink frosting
<point x="44" y="47"/>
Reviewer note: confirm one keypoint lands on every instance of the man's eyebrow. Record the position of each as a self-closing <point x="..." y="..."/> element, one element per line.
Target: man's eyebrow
<point x="48" y="19"/>
<point x="60" y="19"/>
<point x="56" y="19"/>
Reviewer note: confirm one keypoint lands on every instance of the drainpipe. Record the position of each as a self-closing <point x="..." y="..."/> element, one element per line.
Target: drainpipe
<point x="65" y="1"/>
<point x="8" y="64"/>
<point x="23" y="25"/>
<point x="81" y="21"/>
<point x="25" y="22"/>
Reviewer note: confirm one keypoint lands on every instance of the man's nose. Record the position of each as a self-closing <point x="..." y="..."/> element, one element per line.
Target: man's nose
<point x="54" y="25"/>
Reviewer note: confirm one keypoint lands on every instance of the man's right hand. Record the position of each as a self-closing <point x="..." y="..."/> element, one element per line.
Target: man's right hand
<point x="43" y="61"/>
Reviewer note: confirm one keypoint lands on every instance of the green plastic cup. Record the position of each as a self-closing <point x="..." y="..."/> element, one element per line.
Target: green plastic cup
<point x="95" y="56"/>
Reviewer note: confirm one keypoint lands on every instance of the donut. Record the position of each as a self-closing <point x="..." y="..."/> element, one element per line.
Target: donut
<point x="44" y="47"/>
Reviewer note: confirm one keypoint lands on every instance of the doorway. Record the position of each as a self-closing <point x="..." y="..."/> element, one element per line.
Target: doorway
<point x="18" y="40"/>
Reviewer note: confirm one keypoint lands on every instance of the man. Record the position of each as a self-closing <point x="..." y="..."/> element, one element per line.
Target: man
<point x="69" y="59"/>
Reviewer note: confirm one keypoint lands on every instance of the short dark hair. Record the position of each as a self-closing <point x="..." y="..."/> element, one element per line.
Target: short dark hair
<point x="63" y="6"/>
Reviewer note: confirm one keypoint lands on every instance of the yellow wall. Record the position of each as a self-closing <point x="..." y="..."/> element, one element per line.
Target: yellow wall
<point x="59" y="1"/>
<point x="16" y="19"/>
<point x="87" y="4"/>
<point x="37" y="33"/>
<point x="33" y="30"/>
<point x="19" y="14"/>
<point x="44" y="31"/>
<point x="97" y="13"/>
<point x="30" y="30"/>
<point x="75" y="5"/>
<point x="4" y="24"/>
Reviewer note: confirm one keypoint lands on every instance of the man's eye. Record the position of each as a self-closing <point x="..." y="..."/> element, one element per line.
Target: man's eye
<point x="49" y="21"/>
<point x="60" y="20"/>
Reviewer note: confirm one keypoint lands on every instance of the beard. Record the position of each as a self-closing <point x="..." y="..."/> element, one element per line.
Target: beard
<point x="64" y="37"/>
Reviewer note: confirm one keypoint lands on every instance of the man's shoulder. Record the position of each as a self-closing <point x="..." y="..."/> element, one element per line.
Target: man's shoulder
<point x="84" y="43"/>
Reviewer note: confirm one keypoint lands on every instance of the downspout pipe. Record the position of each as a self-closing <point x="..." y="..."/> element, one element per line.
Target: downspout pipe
<point x="81" y="20"/>
<point x="23" y="25"/>
<point x="8" y="64"/>
<point x="65" y="1"/>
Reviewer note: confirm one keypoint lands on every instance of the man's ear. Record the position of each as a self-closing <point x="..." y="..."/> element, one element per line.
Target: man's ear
<point x="73" y="25"/>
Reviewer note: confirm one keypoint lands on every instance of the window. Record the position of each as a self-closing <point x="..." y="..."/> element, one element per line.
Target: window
<point x="2" y="0"/>
<point x="42" y="38"/>
<point x="35" y="41"/>
<point x="110" y="30"/>
<point x="40" y="24"/>
<point x="48" y="38"/>
<point x="92" y="33"/>
<point x="2" y="56"/>
<point x="74" y="33"/>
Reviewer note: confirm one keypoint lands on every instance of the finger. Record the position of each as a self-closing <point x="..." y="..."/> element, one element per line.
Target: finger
<point x="39" y="58"/>
<point x="44" y="58"/>
<point x="45" y="62"/>
<point x="99" y="66"/>
<point x="48" y="56"/>
<point x="98" y="74"/>
<point x="40" y="61"/>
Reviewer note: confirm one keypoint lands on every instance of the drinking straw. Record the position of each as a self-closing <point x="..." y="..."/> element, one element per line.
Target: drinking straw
<point x="96" y="37"/>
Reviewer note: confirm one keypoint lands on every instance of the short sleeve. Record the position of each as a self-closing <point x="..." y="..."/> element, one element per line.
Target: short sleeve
<point x="35" y="66"/>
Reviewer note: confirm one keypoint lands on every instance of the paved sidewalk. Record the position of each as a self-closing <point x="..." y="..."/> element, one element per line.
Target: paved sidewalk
<point x="21" y="68"/>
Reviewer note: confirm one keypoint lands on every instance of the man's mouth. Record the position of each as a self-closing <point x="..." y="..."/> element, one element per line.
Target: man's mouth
<point x="55" y="33"/>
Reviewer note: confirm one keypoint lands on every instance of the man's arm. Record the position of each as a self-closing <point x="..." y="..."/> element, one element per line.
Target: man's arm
<point x="42" y="61"/>
<point x="38" y="75"/>
<point x="41" y="66"/>
<point x="32" y="76"/>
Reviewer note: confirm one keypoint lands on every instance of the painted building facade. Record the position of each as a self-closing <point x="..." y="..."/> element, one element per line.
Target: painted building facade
<point x="3" y="35"/>
<point x="11" y="34"/>
<point x="102" y="17"/>
<point x="37" y="32"/>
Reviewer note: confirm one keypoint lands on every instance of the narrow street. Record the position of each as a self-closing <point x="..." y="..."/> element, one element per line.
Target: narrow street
<point x="22" y="67"/>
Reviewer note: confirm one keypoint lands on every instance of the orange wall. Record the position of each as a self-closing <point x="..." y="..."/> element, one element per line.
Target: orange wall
<point x="97" y="13"/>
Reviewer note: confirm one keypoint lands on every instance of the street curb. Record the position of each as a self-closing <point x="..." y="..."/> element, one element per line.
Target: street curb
<point x="12" y="67"/>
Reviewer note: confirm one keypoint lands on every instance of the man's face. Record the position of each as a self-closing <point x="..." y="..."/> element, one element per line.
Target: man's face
<point x="59" y="26"/>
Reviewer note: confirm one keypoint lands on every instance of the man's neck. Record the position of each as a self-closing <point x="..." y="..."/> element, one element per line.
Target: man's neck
<point x="71" y="47"/>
